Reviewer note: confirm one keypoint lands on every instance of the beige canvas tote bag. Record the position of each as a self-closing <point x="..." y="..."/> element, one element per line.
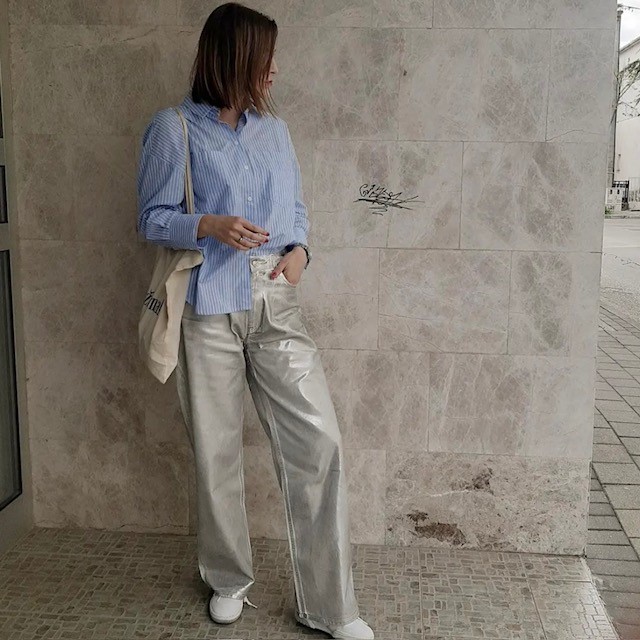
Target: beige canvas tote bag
<point x="161" y="315"/>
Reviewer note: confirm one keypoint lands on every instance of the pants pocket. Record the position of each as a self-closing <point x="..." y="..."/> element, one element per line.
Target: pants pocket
<point x="284" y="279"/>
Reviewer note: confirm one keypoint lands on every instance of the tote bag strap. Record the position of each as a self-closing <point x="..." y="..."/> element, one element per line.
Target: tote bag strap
<point x="188" y="184"/>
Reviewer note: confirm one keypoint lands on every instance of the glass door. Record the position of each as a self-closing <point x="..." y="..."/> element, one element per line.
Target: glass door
<point x="16" y="497"/>
<point x="10" y="476"/>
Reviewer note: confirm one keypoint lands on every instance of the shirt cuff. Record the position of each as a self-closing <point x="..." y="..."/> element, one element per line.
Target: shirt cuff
<point x="299" y="235"/>
<point x="183" y="231"/>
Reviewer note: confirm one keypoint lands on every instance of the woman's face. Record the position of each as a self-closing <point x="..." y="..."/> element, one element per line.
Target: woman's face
<point x="272" y="72"/>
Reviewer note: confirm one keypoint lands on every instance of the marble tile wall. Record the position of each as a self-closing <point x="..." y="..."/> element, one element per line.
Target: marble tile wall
<point x="458" y="334"/>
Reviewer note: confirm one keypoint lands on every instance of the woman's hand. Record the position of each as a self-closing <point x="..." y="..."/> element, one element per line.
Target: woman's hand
<point x="230" y="230"/>
<point x="292" y="264"/>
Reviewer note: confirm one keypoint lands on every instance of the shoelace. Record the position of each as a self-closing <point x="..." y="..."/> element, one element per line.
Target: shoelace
<point x="245" y="600"/>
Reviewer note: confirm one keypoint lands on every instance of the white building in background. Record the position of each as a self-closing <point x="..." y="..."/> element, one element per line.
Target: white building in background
<point x="627" y="145"/>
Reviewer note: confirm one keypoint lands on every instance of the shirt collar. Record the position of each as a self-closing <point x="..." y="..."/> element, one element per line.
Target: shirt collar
<point x="204" y="109"/>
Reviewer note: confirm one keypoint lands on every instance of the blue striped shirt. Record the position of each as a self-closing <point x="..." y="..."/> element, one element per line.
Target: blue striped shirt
<point x="252" y="172"/>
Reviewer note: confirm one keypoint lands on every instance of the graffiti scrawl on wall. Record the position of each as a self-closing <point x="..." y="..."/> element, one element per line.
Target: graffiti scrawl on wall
<point x="381" y="198"/>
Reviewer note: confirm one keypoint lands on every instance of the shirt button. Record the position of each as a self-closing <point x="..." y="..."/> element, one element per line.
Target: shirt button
<point x="236" y="143"/>
<point x="249" y="198"/>
<point x="246" y="166"/>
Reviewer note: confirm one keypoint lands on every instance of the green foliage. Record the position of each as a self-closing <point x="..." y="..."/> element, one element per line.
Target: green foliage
<point x="626" y="79"/>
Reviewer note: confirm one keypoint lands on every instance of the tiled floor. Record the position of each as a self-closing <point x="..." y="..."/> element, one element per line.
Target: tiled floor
<point x="75" y="584"/>
<point x="614" y="536"/>
<point x="78" y="584"/>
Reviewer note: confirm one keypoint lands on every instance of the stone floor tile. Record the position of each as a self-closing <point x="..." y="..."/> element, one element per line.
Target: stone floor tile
<point x="628" y="632"/>
<point x="387" y="581"/>
<point x="630" y="416"/>
<point x="610" y="453"/>
<point x="607" y="394"/>
<point x="458" y="617"/>
<point x="632" y="445"/>
<point x="455" y="607"/>
<point x="629" y="390"/>
<point x="584" y="619"/>
<point x="76" y="627"/>
<point x="615" y="473"/>
<point x="604" y="522"/>
<point x="629" y="429"/>
<point x="147" y="586"/>
<point x="77" y="542"/>
<point x="547" y="567"/>
<point x="611" y="405"/>
<point x="469" y="562"/>
<point x="610" y="552"/>
<point x="625" y="615"/>
<point x="620" y="599"/>
<point x="630" y="584"/>
<point x="623" y="497"/>
<point x="605" y="435"/>
<point x="600" y="509"/>
<point x="602" y="567"/>
<point x="606" y="537"/>
<point x="630" y="521"/>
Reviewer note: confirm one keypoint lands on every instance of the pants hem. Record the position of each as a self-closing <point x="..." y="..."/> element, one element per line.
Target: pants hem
<point x="333" y="622"/>
<point x="231" y="594"/>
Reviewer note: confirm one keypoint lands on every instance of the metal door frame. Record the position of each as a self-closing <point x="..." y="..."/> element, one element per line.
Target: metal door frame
<point x="16" y="518"/>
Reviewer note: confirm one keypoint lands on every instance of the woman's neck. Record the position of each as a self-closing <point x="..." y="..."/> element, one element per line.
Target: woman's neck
<point x="230" y="117"/>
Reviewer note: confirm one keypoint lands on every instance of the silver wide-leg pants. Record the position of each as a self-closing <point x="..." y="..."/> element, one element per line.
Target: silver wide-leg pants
<point x="268" y="346"/>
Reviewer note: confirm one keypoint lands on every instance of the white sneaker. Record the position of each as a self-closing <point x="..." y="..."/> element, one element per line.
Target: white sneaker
<point x="226" y="610"/>
<point x="356" y="630"/>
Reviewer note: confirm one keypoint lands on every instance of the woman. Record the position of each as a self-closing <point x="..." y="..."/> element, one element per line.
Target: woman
<point x="242" y="321"/>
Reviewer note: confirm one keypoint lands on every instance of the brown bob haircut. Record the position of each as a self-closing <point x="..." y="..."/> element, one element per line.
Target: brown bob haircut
<point x="233" y="60"/>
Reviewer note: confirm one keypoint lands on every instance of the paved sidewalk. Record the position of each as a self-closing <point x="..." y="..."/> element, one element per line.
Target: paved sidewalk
<point x="613" y="551"/>
<point x="90" y="584"/>
<point x="112" y="585"/>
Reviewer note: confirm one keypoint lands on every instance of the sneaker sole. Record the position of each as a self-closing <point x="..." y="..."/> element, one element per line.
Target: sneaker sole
<point x="320" y="626"/>
<point x="224" y="620"/>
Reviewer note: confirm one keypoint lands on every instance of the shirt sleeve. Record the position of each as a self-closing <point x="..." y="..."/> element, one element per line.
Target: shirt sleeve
<point x="301" y="224"/>
<point x="161" y="171"/>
